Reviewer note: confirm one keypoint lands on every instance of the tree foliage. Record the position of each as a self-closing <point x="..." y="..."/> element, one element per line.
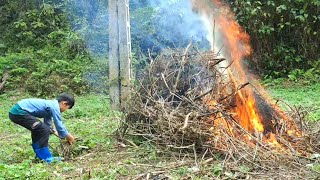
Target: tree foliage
<point x="40" y="51"/>
<point x="44" y="45"/>
<point x="284" y="34"/>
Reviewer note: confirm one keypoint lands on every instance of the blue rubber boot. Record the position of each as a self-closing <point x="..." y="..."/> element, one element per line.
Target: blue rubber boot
<point x="35" y="146"/>
<point x="44" y="154"/>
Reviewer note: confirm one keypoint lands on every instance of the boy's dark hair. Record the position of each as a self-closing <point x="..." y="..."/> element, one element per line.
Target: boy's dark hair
<point x="66" y="97"/>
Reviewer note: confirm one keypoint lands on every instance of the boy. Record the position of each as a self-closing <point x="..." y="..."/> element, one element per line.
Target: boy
<point x="26" y="112"/>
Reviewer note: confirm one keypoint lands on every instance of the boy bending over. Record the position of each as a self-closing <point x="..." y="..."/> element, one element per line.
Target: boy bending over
<point x="26" y="112"/>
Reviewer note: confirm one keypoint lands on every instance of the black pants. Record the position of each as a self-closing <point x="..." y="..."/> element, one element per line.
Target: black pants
<point x="40" y="131"/>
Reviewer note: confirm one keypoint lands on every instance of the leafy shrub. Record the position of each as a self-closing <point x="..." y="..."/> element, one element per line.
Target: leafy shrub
<point x="42" y="73"/>
<point x="284" y="35"/>
<point x="42" y="54"/>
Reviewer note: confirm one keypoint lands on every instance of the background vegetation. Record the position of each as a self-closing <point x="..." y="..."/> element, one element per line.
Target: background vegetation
<point x="42" y="53"/>
<point x="53" y="46"/>
<point x="284" y="36"/>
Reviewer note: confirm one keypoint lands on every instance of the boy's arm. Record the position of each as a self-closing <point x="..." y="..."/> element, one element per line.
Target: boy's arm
<point x="62" y="131"/>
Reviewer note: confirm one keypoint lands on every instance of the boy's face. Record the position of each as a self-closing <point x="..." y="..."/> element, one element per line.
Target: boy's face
<point x="64" y="106"/>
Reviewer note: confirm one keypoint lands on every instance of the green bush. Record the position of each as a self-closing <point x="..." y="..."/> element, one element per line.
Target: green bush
<point x="43" y="73"/>
<point x="40" y="51"/>
<point x="284" y="35"/>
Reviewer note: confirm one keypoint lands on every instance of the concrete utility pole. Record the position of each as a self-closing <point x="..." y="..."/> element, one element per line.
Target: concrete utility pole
<point x="119" y="52"/>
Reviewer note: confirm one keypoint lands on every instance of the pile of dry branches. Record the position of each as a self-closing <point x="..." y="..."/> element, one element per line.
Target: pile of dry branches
<point x="167" y="105"/>
<point x="180" y="96"/>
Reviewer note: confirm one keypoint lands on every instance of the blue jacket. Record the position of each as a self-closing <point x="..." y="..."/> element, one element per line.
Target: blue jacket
<point x="46" y="109"/>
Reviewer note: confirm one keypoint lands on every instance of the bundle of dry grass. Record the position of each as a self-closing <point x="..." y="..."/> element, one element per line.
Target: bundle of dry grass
<point x="70" y="151"/>
<point x="65" y="149"/>
<point x="180" y="97"/>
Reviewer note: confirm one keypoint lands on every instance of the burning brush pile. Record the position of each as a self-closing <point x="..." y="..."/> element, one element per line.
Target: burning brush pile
<point x="193" y="102"/>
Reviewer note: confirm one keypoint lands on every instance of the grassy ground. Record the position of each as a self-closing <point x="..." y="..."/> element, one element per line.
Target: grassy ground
<point x="98" y="155"/>
<point x="307" y="97"/>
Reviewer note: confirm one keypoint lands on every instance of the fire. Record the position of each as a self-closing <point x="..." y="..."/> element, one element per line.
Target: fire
<point x="272" y="140"/>
<point x="236" y="45"/>
<point x="247" y="113"/>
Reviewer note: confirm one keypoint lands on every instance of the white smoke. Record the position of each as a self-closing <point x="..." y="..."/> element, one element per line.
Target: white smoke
<point x="179" y="20"/>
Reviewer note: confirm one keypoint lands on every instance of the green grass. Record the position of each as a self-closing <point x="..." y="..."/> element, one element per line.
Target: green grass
<point x="93" y="123"/>
<point x="307" y="97"/>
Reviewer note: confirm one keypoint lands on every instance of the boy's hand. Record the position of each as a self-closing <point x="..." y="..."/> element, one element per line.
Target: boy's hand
<point x="70" y="139"/>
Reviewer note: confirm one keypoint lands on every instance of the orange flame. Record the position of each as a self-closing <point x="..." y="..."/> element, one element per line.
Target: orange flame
<point x="236" y="46"/>
<point x="247" y="113"/>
